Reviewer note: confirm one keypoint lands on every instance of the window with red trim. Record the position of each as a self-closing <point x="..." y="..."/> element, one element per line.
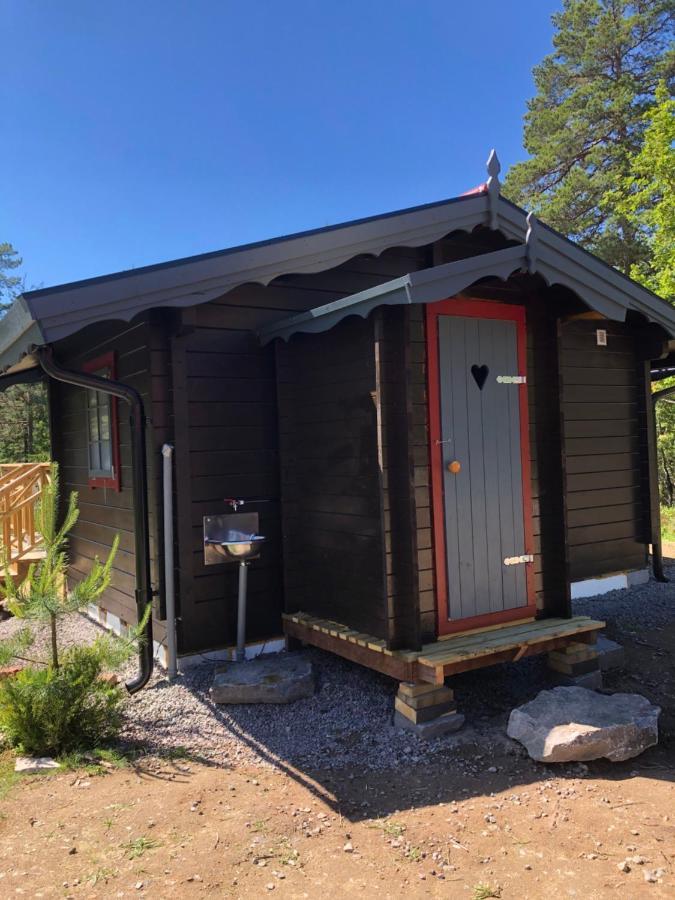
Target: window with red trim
<point x="102" y="428"/>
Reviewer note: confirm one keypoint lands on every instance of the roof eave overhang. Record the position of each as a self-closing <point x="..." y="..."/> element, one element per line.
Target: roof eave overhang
<point x="20" y="333"/>
<point x="555" y="259"/>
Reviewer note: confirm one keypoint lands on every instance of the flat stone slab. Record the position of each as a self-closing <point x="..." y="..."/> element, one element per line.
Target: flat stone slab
<point x="278" y="678"/>
<point x="610" y="654"/>
<point x="437" y="727"/>
<point x="32" y="765"/>
<point x="569" y="724"/>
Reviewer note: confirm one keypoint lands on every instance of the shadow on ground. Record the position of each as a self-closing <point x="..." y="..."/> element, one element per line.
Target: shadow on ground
<point x="341" y="745"/>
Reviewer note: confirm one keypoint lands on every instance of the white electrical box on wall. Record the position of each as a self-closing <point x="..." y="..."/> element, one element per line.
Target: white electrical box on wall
<point x="601" y="337"/>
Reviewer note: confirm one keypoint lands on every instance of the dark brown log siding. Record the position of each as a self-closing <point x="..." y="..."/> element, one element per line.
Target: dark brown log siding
<point x="226" y="435"/>
<point x="103" y="512"/>
<point x="333" y="540"/>
<point x="605" y="448"/>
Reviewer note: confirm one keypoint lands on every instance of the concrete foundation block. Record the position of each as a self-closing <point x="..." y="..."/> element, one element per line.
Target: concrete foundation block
<point x="610" y="654"/>
<point x="590" y="680"/>
<point x="441" y="725"/>
<point x="269" y="679"/>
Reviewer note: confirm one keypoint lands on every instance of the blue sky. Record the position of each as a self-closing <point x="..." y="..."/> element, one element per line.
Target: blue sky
<point x="136" y="132"/>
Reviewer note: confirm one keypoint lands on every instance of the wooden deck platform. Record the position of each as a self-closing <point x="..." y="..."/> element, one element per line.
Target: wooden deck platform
<point x="458" y="653"/>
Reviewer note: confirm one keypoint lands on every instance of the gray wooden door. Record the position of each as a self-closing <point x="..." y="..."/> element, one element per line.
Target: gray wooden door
<point x="483" y="501"/>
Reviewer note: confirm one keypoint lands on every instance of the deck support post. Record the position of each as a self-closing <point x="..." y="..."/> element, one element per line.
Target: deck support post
<point x="576" y="664"/>
<point x="427" y="710"/>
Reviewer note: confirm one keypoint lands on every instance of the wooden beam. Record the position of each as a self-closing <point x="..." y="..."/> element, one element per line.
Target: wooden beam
<point x="374" y="659"/>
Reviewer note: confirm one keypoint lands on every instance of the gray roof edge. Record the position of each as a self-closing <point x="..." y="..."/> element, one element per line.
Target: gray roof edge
<point x="19" y="331"/>
<point x="423" y="286"/>
<point x="199" y="281"/>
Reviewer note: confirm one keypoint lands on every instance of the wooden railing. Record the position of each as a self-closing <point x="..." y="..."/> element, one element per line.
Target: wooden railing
<point x="21" y="487"/>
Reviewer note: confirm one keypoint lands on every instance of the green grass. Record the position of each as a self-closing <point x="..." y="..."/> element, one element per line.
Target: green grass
<point x="136" y="848"/>
<point x="393" y="829"/>
<point x="94" y="762"/>
<point x="8" y="777"/>
<point x="668" y="523"/>
<point x="484" y="892"/>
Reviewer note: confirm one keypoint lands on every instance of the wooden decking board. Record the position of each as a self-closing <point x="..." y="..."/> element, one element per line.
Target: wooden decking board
<point x="460" y="653"/>
<point x="459" y="640"/>
<point x="508" y="641"/>
<point x="522" y="632"/>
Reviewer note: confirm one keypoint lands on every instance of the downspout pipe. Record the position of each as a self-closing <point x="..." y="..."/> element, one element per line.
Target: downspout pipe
<point x="140" y="494"/>
<point x="657" y="547"/>
<point x="169" y="586"/>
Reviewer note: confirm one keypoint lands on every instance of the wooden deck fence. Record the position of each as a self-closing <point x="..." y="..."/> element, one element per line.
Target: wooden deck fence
<point x="21" y="487"/>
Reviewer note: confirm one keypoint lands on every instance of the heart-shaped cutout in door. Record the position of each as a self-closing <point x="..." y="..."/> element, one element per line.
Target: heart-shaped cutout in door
<point x="480" y="374"/>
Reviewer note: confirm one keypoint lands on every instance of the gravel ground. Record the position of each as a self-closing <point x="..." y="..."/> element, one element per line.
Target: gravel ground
<point x="348" y="720"/>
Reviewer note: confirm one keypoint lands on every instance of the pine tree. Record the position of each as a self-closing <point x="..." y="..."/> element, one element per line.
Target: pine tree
<point x="43" y="596"/>
<point x="648" y="198"/>
<point x="10" y="284"/>
<point x="587" y="120"/>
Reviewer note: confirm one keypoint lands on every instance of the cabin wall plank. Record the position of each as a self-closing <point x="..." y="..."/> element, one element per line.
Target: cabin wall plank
<point x="605" y="447"/>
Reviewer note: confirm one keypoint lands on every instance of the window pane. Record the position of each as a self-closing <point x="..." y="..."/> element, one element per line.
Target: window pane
<point x="104" y="422"/>
<point x="106" y="457"/>
<point x="93" y="425"/>
<point x="94" y="457"/>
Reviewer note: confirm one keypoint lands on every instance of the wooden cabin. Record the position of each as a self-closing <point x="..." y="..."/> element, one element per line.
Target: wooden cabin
<point x="442" y="416"/>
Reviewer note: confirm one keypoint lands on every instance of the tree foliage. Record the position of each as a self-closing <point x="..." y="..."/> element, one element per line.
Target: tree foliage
<point x="24" y="424"/>
<point x="44" y="594"/>
<point x="648" y="198"/>
<point x="10" y="283"/>
<point x="587" y="121"/>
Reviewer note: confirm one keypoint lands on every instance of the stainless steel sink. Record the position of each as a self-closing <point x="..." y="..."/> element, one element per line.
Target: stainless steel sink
<point x="231" y="537"/>
<point x="228" y="539"/>
<point x="236" y="546"/>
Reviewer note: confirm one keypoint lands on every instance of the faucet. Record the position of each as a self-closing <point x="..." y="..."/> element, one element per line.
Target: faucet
<point x="235" y="504"/>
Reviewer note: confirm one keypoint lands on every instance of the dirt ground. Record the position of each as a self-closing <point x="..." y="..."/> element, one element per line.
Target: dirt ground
<point x="481" y="821"/>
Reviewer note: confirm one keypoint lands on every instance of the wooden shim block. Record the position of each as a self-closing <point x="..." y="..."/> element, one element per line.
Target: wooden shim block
<point x="410" y="689"/>
<point x="423" y="715"/>
<point x="566" y="667"/>
<point x="433" y="697"/>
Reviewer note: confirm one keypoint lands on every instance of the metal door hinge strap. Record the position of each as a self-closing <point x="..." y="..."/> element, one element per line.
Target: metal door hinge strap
<point x="511" y="379"/>
<point x="515" y="560"/>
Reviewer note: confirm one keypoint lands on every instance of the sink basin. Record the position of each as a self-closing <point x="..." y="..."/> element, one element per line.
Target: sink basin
<point x="236" y="545"/>
<point x="231" y="538"/>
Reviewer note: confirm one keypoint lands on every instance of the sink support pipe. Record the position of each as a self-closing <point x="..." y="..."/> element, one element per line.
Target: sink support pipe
<point x="169" y="588"/>
<point x="140" y="494"/>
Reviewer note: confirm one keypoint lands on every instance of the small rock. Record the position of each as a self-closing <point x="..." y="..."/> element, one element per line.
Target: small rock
<point x="653" y="875"/>
<point x="270" y="885"/>
<point x="348" y="847"/>
<point x="493" y="770"/>
<point x="623" y="866"/>
<point x="139" y="885"/>
<point x="30" y="765"/>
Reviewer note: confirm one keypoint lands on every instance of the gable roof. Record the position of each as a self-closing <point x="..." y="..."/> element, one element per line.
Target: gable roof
<point x="50" y="314"/>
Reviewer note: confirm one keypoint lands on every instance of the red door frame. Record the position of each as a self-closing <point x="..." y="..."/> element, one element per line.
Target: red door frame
<point x="479" y="309"/>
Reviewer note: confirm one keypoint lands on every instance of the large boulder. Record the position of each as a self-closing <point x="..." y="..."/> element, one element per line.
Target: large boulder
<point x="569" y="724"/>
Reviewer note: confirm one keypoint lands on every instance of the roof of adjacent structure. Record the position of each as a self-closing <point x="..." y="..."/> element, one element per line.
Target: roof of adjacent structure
<point x="50" y="314"/>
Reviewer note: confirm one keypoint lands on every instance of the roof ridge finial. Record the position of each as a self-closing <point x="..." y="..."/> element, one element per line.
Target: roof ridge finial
<point x="493" y="169"/>
<point x="531" y="243"/>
